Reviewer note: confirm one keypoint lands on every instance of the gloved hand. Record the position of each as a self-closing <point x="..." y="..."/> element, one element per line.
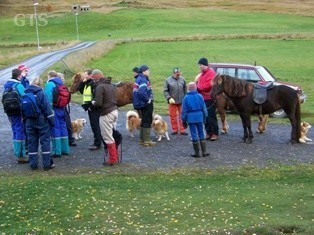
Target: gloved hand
<point x="171" y="101"/>
<point x="51" y="121"/>
<point x="185" y="124"/>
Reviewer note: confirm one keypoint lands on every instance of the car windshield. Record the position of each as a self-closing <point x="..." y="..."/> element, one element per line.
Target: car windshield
<point x="265" y="74"/>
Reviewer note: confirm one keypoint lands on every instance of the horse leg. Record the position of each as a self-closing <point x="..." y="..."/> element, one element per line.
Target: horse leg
<point x="248" y="134"/>
<point x="224" y="123"/>
<point x="295" y="120"/>
<point x="262" y="123"/>
<point x="245" y="132"/>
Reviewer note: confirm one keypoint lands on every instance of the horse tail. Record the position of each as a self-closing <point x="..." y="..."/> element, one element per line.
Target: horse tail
<point x="298" y="119"/>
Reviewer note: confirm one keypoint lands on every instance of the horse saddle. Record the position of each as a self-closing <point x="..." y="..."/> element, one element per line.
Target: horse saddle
<point x="260" y="92"/>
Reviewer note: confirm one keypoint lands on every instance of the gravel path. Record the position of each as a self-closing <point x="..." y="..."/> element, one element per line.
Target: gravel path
<point x="266" y="149"/>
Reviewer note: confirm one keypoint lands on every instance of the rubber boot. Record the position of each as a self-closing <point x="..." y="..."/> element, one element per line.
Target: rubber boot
<point x="113" y="155"/>
<point x="203" y="148"/>
<point x="141" y="136"/>
<point x="146" y="137"/>
<point x="196" y="149"/>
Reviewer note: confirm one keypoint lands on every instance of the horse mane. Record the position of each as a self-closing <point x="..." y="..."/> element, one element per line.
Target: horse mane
<point x="235" y="87"/>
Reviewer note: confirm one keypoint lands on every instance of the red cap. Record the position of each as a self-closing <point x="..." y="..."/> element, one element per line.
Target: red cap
<point x="22" y="67"/>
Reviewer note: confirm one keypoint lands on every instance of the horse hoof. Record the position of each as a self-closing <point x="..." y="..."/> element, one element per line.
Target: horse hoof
<point x="292" y="142"/>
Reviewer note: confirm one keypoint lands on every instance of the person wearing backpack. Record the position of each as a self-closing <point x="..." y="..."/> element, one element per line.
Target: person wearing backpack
<point x="59" y="133"/>
<point x="68" y="118"/>
<point x="15" y="115"/>
<point x="39" y="117"/>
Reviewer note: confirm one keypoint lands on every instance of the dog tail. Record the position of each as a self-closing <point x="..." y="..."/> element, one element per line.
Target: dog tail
<point x="129" y="115"/>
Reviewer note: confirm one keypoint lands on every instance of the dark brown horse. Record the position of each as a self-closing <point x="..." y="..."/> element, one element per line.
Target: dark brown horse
<point x="223" y="103"/>
<point x="123" y="89"/>
<point x="241" y="94"/>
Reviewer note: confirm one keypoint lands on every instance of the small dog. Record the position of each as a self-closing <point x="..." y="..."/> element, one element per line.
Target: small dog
<point x="132" y="122"/>
<point x="160" y="127"/>
<point x="305" y="126"/>
<point x="77" y="127"/>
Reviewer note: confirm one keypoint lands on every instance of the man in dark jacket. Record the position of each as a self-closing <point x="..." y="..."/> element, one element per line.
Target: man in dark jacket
<point x="88" y="88"/>
<point x="105" y="100"/>
<point x="143" y="100"/>
<point x="38" y="129"/>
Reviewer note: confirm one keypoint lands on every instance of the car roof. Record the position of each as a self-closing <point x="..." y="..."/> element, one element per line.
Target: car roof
<point x="232" y="65"/>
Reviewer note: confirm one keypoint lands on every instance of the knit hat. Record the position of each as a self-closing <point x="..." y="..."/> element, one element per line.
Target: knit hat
<point x="143" y="68"/>
<point x="192" y="86"/>
<point x="22" y="67"/>
<point x="97" y="74"/>
<point x="176" y="70"/>
<point x="135" y="69"/>
<point x="203" y="61"/>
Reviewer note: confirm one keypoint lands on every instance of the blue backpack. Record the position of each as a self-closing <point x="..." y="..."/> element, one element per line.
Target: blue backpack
<point x="30" y="107"/>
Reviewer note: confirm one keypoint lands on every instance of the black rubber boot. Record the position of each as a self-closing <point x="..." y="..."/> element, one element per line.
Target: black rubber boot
<point x="196" y="149"/>
<point x="203" y="147"/>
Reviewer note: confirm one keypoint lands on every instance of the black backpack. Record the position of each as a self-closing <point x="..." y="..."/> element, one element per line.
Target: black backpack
<point x="11" y="101"/>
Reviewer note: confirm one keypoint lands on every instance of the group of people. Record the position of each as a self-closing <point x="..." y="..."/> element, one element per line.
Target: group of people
<point x="189" y="105"/>
<point x="51" y="127"/>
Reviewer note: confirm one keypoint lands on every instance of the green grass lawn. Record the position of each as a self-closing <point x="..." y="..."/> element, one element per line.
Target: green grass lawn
<point x="133" y="23"/>
<point x="261" y="201"/>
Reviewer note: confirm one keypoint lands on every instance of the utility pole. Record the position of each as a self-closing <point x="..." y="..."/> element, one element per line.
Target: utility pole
<point x="36" y="23"/>
<point x="76" y="9"/>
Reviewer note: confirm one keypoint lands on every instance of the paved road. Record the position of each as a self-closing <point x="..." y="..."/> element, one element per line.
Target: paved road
<point x="38" y="64"/>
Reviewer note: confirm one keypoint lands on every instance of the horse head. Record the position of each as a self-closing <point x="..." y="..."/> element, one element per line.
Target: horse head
<point x="77" y="79"/>
<point x="217" y="86"/>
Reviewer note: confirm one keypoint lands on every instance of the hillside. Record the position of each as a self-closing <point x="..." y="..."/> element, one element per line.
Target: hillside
<point x="300" y="7"/>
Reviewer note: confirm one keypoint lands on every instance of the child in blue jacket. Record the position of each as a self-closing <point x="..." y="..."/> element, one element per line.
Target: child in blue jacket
<point x="193" y="114"/>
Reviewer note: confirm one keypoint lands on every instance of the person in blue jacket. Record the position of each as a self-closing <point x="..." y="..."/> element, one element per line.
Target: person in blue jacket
<point x="194" y="114"/>
<point x="143" y="100"/>
<point x="17" y="120"/>
<point x="38" y="129"/>
<point x="59" y="133"/>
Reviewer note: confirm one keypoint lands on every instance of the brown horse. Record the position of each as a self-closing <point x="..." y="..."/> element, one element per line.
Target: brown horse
<point x="123" y="89"/>
<point x="241" y="94"/>
<point x="223" y="103"/>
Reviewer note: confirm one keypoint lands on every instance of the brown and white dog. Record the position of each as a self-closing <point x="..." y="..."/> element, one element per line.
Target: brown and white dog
<point x="77" y="127"/>
<point x="305" y="126"/>
<point x="132" y="122"/>
<point x="160" y="127"/>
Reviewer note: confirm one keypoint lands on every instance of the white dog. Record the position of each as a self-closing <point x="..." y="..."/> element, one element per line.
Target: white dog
<point x="305" y="127"/>
<point x="77" y="127"/>
<point x="160" y="127"/>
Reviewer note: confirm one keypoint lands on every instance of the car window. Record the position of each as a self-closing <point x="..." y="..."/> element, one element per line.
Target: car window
<point x="265" y="74"/>
<point x="226" y="71"/>
<point x="252" y="76"/>
<point x="242" y="74"/>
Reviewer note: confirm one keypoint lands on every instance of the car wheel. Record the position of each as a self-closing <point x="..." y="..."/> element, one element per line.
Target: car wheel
<point x="278" y="114"/>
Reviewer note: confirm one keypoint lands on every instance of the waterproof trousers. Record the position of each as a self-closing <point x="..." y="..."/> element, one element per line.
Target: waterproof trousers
<point x="38" y="131"/>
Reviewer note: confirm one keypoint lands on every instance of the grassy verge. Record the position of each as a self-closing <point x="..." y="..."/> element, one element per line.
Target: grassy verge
<point x="262" y="201"/>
